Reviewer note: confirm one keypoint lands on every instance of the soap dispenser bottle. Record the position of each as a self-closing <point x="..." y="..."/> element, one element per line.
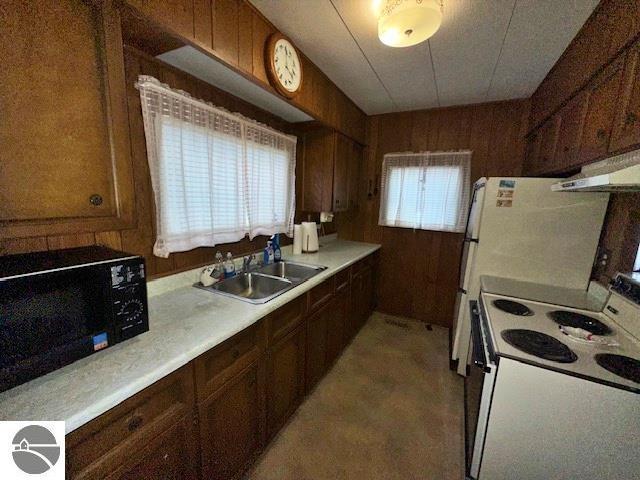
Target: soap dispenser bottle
<point x="229" y="267"/>
<point x="277" y="252"/>
<point x="267" y="254"/>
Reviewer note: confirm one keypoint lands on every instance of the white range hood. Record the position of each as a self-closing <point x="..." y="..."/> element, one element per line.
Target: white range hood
<point x="615" y="174"/>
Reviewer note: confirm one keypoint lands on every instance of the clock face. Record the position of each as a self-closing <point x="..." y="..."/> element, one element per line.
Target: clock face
<point x="287" y="68"/>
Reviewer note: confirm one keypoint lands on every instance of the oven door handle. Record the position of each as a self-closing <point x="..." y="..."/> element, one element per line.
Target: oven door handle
<point x="477" y="355"/>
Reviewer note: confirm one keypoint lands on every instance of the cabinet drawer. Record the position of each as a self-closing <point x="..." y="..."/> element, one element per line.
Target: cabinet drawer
<point x="320" y="294"/>
<point x="99" y="447"/>
<point x="360" y="265"/>
<point x="342" y="279"/>
<point x="285" y="319"/>
<point x="226" y="360"/>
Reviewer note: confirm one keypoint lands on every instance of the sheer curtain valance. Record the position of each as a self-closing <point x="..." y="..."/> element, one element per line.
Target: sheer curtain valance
<point x="217" y="176"/>
<point x="427" y="190"/>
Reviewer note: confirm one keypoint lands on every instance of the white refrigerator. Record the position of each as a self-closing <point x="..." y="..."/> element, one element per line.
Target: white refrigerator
<point x="518" y="228"/>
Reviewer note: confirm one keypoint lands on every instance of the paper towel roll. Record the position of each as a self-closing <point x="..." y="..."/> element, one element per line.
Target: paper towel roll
<point x="309" y="237"/>
<point x="297" y="239"/>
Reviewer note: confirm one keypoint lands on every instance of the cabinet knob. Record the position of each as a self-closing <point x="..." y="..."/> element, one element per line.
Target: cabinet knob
<point x="134" y="423"/>
<point x="95" y="200"/>
<point x="236" y="353"/>
<point x="601" y="134"/>
<point x="631" y="118"/>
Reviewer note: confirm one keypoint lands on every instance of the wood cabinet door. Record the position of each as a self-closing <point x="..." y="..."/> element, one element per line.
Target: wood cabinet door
<point x="626" y="128"/>
<point x="603" y="97"/>
<point x="317" y="171"/>
<point x="548" y="143"/>
<point x="568" y="147"/>
<point x="65" y="155"/>
<point x="341" y="160"/>
<point x="356" y="305"/>
<point x="285" y="379"/>
<point x="337" y="325"/>
<point x="169" y="456"/>
<point x="367" y="295"/>
<point x="316" y="358"/>
<point x="532" y="152"/>
<point x="231" y="425"/>
<point x="355" y="164"/>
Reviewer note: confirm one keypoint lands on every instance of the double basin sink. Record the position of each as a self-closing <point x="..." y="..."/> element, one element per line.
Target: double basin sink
<point x="265" y="283"/>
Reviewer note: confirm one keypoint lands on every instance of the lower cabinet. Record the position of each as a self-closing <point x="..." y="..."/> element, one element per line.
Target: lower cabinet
<point x="211" y="418"/>
<point x="152" y="432"/>
<point x="232" y="425"/>
<point x="285" y="378"/>
<point x="337" y="337"/>
<point x="316" y="360"/>
<point x="169" y="456"/>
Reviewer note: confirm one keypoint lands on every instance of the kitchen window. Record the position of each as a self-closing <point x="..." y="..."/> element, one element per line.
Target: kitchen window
<point x="427" y="191"/>
<point x="217" y="177"/>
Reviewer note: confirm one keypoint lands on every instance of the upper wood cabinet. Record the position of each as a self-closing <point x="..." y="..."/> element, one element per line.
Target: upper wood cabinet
<point x="626" y="127"/>
<point x="65" y="152"/>
<point x="328" y="163"/>
<point x="603" y="98"/>
<point x="572" y="121"/>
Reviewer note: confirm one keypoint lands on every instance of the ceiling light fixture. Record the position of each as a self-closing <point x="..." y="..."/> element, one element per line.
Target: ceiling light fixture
<point x="403" y="23"/>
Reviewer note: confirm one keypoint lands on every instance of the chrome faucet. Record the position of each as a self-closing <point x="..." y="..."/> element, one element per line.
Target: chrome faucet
<point x="246" y="262"/>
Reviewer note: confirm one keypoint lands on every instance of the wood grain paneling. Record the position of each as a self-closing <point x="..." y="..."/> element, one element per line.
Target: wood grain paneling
<point x="419" y="269"/>
<point x="139" y="240"/>
<point x="609" y="29"/>
<point x="235" y="33"/>
<point x="593" y="88"/>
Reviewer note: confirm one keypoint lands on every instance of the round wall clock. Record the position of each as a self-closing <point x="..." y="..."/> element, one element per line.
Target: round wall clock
<point x="283" y="65"/>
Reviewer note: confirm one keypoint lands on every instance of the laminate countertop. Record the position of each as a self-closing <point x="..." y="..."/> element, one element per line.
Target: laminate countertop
<point x="184" y="322"/>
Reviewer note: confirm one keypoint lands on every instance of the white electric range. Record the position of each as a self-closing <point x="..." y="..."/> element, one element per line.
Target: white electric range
<point x="543" y="403"/>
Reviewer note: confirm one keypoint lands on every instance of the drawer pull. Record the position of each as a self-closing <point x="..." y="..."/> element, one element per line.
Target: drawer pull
<point x="165" y="456"/>
<point x="236" y="353"/>
<point x="601" y="134"/>
<point x="134" y="423"/>
<point x="631" y="118"/>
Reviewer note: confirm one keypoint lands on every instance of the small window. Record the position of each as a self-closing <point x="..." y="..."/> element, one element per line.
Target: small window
<point x="427" y="191"/>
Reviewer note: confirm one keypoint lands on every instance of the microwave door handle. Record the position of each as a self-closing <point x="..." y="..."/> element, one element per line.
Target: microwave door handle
<point x="477" y="353"/>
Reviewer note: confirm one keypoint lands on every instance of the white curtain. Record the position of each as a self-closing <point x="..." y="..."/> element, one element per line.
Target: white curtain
<point x="217" y="176"/>
<point x="428" y="190"/>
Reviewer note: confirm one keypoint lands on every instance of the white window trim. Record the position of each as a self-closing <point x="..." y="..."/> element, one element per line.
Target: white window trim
<point x="423" y="161"/>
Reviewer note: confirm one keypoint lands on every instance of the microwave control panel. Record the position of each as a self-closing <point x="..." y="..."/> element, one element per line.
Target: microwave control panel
<point x="129" y="299"/>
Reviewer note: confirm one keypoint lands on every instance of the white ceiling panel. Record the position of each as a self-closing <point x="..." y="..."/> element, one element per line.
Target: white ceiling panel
<point x="316" y="28"/>
<point x="485" y="50"/>
<point x="539" y="32"/>
<point x="406" y="73"/>
<point x="202" y="66"/>
<point x="466" y="48"/>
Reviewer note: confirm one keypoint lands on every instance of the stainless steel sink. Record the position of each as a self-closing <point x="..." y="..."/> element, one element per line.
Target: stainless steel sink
<point x="265" y="283"/>
<point x="296" y="272"/>
<point x="251" y="287"/>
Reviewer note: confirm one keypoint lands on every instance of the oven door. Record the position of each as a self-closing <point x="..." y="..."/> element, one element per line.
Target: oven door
<point x="478" y="390"/>
<point x="51" y="319"/>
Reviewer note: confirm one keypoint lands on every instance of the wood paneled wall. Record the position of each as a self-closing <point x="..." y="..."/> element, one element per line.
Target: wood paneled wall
<point x="607" y="35"/>
<point x="140" y="240"/>
<point x="419" y="269"/>
<point x="235" y="33"/>
<point x="610" y="28"/>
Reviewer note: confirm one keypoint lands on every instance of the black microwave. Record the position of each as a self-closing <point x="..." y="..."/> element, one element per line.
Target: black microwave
<point x="59" y="306"/>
